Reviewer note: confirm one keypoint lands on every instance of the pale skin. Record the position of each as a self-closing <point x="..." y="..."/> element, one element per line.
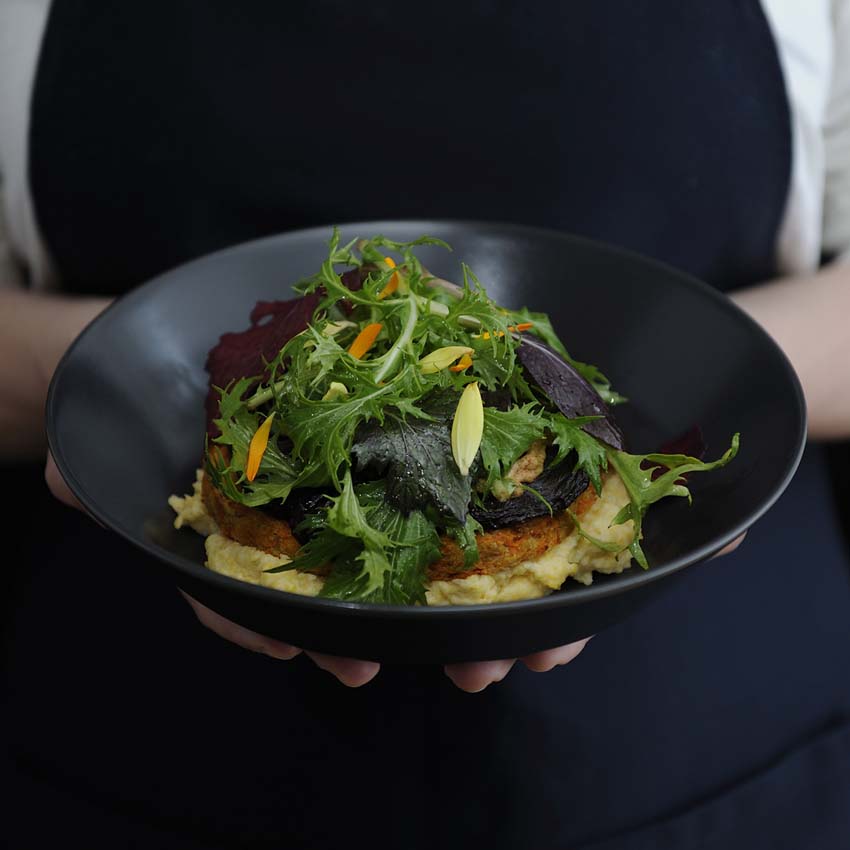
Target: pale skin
<point x="804" y="315"/>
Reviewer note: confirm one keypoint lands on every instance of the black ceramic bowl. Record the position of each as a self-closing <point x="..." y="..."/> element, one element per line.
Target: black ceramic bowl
<point x="125" y="422"/>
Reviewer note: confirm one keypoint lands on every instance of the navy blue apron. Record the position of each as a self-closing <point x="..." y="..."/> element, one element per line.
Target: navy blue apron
<point x="719" y="717"/>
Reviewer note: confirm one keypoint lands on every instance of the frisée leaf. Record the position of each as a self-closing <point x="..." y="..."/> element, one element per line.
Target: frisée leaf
<point x="507" y="436"/>
<point x="378" y="553"/>
<point x="645" y="487"/>
<point x="569" y="437"/>
<point x="278" y="472"/>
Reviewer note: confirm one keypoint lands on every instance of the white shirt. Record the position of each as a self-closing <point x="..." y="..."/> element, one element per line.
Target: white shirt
<point x="813" y="37"/>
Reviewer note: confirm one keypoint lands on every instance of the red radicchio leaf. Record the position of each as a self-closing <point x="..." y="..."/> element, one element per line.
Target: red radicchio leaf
<point x="244" y="354"/>
<point x="567" y="389"/>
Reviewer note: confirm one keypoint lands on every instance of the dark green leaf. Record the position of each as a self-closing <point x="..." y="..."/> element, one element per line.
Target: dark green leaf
<point x="415" y="457"/>
<point x="508" y="434"/>
<point x="377" y="553"/>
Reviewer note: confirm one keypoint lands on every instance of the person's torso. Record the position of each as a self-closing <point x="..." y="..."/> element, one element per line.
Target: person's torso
<point x="165" y="130"/>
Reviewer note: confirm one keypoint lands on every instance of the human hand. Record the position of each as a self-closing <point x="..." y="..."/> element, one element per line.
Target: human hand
<point x="471" y="677"/>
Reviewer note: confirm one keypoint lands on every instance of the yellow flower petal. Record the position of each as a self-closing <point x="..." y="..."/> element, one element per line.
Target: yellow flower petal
<point x="440" y="358"/>
<point x="333" y="328"/>
<point x="335" y="390"/>
<point x="257" y="447"/>
<point x="467" y="427"/>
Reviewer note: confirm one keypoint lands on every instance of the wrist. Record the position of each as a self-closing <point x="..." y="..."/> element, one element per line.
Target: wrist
<point x="35" y="331"/>
<point x="65" y="318"/>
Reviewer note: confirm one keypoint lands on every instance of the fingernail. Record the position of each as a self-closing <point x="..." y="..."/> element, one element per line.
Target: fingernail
<point x="282" y="652"/>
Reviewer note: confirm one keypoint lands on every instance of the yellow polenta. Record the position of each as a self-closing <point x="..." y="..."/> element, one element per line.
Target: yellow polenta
<point x="575" y="557"/>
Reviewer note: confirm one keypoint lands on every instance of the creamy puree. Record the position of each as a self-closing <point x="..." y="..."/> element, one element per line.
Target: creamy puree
<point x="575" y="557"/>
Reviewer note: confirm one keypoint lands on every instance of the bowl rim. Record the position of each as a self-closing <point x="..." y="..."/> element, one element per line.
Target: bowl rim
<point x="578" y="595"/>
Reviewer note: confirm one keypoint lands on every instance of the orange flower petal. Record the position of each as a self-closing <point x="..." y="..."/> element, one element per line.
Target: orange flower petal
<point x="462" y="365"/>
<point x="257" y="447"/>
<point x="522" y="326"/>
<point x="365" y="340"/>
<point x="392" y="283"/>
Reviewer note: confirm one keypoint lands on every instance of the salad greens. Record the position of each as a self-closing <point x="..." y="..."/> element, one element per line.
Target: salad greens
<point x="363" y="406"/>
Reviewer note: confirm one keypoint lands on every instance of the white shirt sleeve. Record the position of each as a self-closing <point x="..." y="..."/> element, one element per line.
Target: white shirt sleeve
<point x="836" y="135"/>
<point x="22" y="250"/>
<point x="803" y="34"/>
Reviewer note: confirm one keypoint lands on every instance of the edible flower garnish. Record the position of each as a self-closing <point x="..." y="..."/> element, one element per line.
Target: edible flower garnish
<point x="392" y="284"/>
<point x="373" y="434"/>
<point x="463" y="364"/>
<point x="467" y="427"/>
<point x="257" y="448"/>
<point x="440" y="358"/>
<point x="335" y="391"/>
<point x="522" y="326"/>
<point x="365" y="340"/>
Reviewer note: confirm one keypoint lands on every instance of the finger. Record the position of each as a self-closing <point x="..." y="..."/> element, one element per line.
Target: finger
<point x="352" y="672"/>
<point x="542" y="662"/>
<point x="239" y="635"/>
<point x="57" y="486"/>
<point x="731" y="547"/>
<point x="474" y="676"/>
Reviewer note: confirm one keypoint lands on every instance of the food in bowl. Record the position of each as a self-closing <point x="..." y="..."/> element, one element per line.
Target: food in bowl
<point x="391" y="437"/>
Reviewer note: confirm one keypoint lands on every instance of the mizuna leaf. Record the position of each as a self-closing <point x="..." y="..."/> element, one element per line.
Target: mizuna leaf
<point x="508" y="435"/>
<point x="645" y="487"/>
<point x="568" y="435"/>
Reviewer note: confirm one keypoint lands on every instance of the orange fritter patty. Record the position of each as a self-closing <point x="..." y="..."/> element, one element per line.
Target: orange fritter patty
<point x="498" y="550"/>
<point x="506" y="547"/>
<point x="248" y="525"/>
